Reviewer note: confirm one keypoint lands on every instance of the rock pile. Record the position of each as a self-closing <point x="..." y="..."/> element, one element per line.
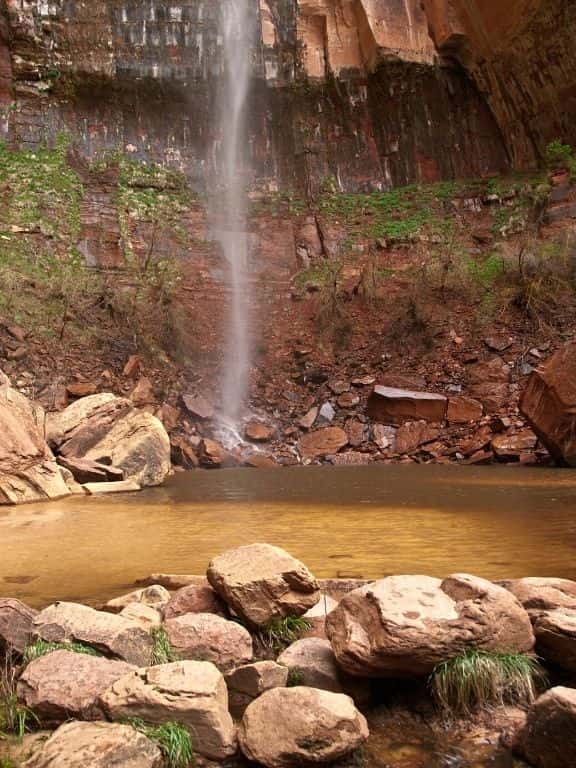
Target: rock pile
<point x="284" y="704"/>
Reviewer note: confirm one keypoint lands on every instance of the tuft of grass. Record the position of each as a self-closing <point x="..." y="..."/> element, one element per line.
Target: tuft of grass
<point x="14" y="718"/>
<point x="162" y="653"/>
<point x="478" y="679"/>
<point x="173" y="740"/>
<point x="280" y="633"/>
<point x="42" y="647"/>
<point x="295" y="678"/>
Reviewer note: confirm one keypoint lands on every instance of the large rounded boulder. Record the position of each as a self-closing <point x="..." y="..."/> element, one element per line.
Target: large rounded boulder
<point x="406" y="625"/>
<point x="290" y="727"/>
<point x="548" y="739"/>
<point x="97" y="745"/>
<point x="207" y="637"/>
<point x="261" y="583"/>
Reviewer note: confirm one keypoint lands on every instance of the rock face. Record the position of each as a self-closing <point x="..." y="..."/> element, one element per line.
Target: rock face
<point x="115" y="635"/>
<point x="310" y="727"/>
<point x="551" y="604"/>
<point x="109" y="430"/>
<point x="192" y="693"/>
<point x="207" y="637"/>
<point x="98" y="745"/>
<point x="28" y="471"/>
<point x="64" y="685"/>
<point x="15" y="623"/>
<point x="405" y="625"/>
<point x="548" y="740"/>
<point x="261" y="582"/>
<point x="549" y="404"/>
<point x="395" y="406"/>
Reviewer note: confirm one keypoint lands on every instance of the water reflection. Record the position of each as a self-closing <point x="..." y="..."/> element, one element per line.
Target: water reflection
<point x="364" y="521"/>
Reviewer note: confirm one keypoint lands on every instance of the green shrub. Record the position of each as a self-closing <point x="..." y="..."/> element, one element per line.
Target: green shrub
<point x="478" y="679"/>
<point x="559" y="155"/>
<point x="14" y="718"/>
<point x="172" y="739"/>
<point x="280" y="633"/>
<point x="41" y="647"/>
<point x="162" y="653"/>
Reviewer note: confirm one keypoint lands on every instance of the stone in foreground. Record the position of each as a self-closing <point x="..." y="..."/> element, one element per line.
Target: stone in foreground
<point x="208" y="637"/>
<point x="257" y="678"/>
<point x="403" y="626"/>
<point x="64" y="684"/>
<point x="549" y="404"/>
<point x="96" y="745"/>
<point x="548" y="739"/>
<point x="192" y="693"/>
<point x="389" y="405"/>
<point x="15" y="623"/>
<point x="115" y="635"/>
<point x="261" y="582"/>
<point x="291" y="727"/>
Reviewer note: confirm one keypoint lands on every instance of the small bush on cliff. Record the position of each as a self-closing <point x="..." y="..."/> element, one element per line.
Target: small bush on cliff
<point x="479" y="679"/>
<point x="172" y="739"/>
<point x="559" y="155"/>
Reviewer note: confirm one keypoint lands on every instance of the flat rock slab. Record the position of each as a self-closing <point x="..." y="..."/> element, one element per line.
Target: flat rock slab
<point x="395" y="406"/>
<point x="64" y="684"/>
<point x="192" y="693"/>
<point x="115" y="635"/>
<point x="261" y="582"/>
<point x="96" y="745"/>
<point x="121" y="486"/>
<point x="289" y="727"/>
<point x="403" y="626"/>
<point x="322" y="442"/>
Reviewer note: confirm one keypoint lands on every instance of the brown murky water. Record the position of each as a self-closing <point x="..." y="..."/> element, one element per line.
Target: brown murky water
<point x="347" y="521"/>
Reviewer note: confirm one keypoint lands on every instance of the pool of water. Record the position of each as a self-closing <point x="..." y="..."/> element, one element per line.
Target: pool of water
<point x="342" y="521"/>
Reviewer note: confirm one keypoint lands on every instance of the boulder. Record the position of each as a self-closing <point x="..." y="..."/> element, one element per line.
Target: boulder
<point x="208" y="637"/>
<point x="316" y="616"/>
<point x="154" y="596"/>
<point x="15" y="623"/>
<point x="549" y="404"/>
<point x="510" y="446"/>
<point x="114" y="635"/>
<point x="63" y="685"/>
<point x="256" y="678"/>
<point x="322" y="442"/>
<point x="309" y="727"/>
<point x="198" y="407"/>
<point x="195" y="598"/>
<point x="462" y="410"/>
<point x="213" y="455"/>
<point x="28" y="470"/>
<point x="261" y="582"/>
<point x="82" y="388"/>
<point x="395" y="406"/>
<point x="147" y="617"/>
<point x="548" y="739"/>
<point x="258" y="432"/>
<point x="406" y="625"/>
<point x="312" y="661"/>
<point x="307" y="421"/>
<point x="109" y="430"/>
<point x="192" y="693"/>
<point x="84" y="471"/>
<point x="98" y="745"/>
<point x="551" y="604"/>
<point x="412" y="434"/>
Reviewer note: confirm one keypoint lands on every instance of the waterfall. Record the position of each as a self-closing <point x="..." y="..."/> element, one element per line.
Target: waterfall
<point x="237" y="24"/>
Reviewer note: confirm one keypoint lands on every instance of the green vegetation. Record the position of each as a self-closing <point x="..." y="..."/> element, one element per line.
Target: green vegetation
<point x="162" y="653"/>
<point x="14" y="718"/>
<point x="295" y="677"/>
<point x="478" y="679"/>
<point x="561" y="156"/>
<point x="41" y="647"/>
<point x="7" y="762"/>
<point x="173" y="740"/>
<point x="280" y="633"/>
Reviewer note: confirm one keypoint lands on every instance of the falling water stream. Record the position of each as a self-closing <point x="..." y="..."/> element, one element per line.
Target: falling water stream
<point x="237" y="26"/>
